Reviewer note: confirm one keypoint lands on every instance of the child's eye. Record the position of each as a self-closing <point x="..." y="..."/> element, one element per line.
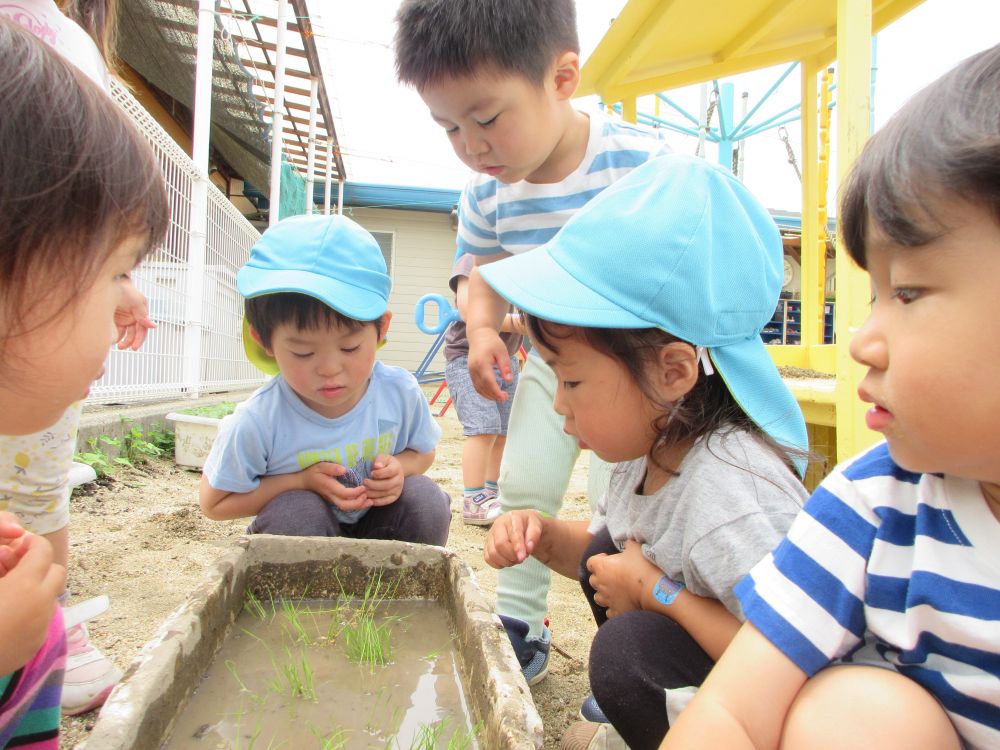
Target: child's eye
<point x="452" y="130"/>
<point x="570" y="384"/>
<point x="489" y="121"/>
<point x="351" y="350"/>
<point x="123" y="277"/>
<point x="906" y="295"/>
<point x="302" y="355"/>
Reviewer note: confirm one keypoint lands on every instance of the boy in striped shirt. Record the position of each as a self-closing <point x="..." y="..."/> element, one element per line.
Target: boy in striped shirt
<point x="876" y="622"/>
<point x="498" y="76"/>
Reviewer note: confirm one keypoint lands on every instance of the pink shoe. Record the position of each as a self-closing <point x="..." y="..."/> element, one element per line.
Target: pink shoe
<point x="90" y="675"/>
<point x="481" y="509"/>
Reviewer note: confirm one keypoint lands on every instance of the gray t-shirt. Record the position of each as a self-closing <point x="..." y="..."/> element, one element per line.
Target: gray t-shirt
<point x="730" y="504"/>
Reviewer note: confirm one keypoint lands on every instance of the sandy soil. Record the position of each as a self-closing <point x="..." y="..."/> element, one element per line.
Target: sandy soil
<point x="142" y="541"/>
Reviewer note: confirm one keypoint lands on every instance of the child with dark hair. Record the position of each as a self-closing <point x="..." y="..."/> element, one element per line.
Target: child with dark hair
<point x="661" y="370"/>
<point x="875" y="622"/>
<point x="82" y="202"/>
<point x="38" y="489"/>
<point x="337" y="443"/>
<point x="498" y="76"/>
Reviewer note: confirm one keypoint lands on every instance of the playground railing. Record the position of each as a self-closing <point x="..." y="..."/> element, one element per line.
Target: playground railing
<point x="156" y="371"/>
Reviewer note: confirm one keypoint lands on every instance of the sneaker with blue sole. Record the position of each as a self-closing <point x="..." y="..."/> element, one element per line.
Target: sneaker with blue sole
<point x="591" y="711"/>
<point x="532" y="653"/>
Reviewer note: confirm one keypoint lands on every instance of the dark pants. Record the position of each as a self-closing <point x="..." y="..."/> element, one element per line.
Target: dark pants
<point x="422" y="513"/>
<point x="635" y="656"/>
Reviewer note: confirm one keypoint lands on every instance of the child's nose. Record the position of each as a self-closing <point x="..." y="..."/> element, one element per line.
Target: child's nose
<point x="328" y="366"/>
<point x="867" y="345"/>
<point x="475" y="146"/>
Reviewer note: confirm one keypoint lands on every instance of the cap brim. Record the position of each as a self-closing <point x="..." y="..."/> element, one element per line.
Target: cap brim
<point x="754" y="381"/>
<point x="256" y="354"/>
<point x="347" y="299"/>
<point x="535" y="283"/>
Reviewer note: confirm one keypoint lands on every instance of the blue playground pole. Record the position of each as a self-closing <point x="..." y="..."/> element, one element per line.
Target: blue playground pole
<point x="726" y="102"/>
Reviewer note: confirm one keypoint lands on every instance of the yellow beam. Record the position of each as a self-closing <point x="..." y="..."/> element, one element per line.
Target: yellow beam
<point x="636" y="48"/>
<point x="707" y="67"/>
<point x="811" y="333"/>
<point x="629" y="110"/>
<point x="750" y="34"/>
<point x="854" y="27"/>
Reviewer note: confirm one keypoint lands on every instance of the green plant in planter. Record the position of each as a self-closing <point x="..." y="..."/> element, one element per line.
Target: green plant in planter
<point x="214" y="411"/>
<point x="136" y="449"/>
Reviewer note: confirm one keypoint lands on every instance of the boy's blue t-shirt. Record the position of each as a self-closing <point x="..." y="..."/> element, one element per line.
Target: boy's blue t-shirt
<point x="274" y="432"/>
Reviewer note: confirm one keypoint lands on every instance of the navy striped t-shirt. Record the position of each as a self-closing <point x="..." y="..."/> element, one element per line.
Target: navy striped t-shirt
<point x="892" y="569"/>
<point x="499" y="217"/>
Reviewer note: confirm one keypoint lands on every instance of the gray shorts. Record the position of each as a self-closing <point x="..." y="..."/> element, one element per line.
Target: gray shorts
<point x="478" y="415"/>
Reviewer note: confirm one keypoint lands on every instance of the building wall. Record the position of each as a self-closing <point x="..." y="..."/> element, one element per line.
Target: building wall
<point x="423" y="251"/>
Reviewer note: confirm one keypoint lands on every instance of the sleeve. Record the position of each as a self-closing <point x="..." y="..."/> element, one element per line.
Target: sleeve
<point x="477" y="231"/>
<point x="238" y="458"/>
<point x="461" y="270"/>
<point x="422" y="432"/>
<point x="807" y="597"/>
<point x="720" y="559"/>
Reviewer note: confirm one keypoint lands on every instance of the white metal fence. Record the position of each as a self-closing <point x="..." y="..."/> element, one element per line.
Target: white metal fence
<point x="156" y="371"/>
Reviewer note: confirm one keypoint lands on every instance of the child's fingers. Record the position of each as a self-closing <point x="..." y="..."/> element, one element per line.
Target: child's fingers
<point x="8" y="560"/>
<point x="515" y="534"/>
<point x="329" y="468"/>
<point x="10" y="526"/>
<point x="594" y="562"/>
<point x="36" y="558"/>
<point x="382" y="486"/>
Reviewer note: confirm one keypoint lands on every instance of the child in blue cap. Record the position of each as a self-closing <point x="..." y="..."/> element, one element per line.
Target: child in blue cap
<point x="876" y="622"/>
<point x="337" y="443"/>
<point x="661" y="370"/>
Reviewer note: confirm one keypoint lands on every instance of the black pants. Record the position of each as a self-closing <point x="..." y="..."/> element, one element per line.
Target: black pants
<point x="634" y="658"/>
<point x="422" y="513"/>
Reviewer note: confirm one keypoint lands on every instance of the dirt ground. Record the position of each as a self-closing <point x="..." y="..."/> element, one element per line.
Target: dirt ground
<point x="143" y="541"/>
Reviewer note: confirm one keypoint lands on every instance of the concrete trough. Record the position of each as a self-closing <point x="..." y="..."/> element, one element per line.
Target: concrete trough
<point x="142" y="710"/>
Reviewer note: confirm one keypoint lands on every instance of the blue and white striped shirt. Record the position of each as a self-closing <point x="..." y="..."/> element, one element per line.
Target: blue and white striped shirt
<point x="495" y="216"/>
<point x="892" y="569"/>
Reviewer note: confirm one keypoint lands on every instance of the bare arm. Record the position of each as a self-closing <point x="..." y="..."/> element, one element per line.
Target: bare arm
<point x="512" y="322"/>
<point x="735" y="711"/>
<point x="486" y="311"/>
<point x="415" y="462"/>
<point x="625" y="582"/>
<point x="520" y="533"/>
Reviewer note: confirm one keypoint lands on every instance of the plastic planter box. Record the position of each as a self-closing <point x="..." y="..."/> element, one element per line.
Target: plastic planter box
<point x="193" y="438"/>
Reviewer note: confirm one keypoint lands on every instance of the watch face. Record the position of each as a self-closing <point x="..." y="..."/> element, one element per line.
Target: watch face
<point x="666" y="590"/>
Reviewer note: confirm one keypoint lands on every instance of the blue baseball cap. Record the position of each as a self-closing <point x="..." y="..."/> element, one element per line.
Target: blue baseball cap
<point x="331" y="258"/>
<point x="677" y="244"/>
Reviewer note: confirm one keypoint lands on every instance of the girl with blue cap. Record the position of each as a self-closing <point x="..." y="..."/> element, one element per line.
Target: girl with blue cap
<point x="662" y="371"/>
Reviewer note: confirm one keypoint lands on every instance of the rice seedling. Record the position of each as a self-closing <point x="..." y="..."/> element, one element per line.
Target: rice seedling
<point x="255" y="607"/>
<point x="333" y="740"/>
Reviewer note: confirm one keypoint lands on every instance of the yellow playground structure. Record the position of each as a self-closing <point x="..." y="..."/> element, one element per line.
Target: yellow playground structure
<point x="658" y="45"/>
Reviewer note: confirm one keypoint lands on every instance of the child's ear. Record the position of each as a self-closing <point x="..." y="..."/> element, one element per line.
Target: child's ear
<point x="256" y="337"/>
<point x="566" y="74"/>
<point x="384" y="326"/>
<point x="677" y="370"/>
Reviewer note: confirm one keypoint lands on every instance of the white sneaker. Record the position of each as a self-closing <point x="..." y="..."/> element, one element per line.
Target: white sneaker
<point x="90" y="676"/>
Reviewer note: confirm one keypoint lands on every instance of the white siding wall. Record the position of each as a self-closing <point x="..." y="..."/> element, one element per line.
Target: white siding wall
<point x="423" y="252"/>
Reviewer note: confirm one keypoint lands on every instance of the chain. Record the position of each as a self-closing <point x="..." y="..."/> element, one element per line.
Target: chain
<point x="783" y="135"/>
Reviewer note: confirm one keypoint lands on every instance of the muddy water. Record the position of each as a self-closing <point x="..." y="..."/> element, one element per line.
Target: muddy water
<point x="257" y="694"/>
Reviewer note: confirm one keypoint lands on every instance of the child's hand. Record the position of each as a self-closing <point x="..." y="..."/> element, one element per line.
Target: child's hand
<point x="132" y="318"/>
<point x="321" y="478"/>
<point x="487" y="349"/>
<point x="30" y="591"/>
<point x="618" y="580"/>
<point x="12" y="547"/>
<point x="512" y="537"/>
<point x="386" y="482"/>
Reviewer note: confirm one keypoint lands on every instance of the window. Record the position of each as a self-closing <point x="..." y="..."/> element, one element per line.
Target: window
<point x="385" y="242"/>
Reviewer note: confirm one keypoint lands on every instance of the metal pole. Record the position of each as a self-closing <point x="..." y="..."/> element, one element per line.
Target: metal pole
<point x="329" y="176"/>
<point x="278" y="116"/>
<point x="311" y="153"/>
<point x="198" y="219"/>
<point x="340" y="197"/>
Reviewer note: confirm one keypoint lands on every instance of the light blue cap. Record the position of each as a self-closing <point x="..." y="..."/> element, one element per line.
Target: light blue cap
<point x="331" y="258"/>
<point x="677" y="244"/>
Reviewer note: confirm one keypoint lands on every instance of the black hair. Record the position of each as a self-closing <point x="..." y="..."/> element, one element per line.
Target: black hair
<point x="709" y="407"/>
<point x="943" y="142"/>
<point x="457" y="38"/>
<point x="77" y="179"/>
<point x="268" y="311"/>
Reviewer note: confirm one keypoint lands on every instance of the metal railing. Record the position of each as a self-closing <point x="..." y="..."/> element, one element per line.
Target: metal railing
<point x="156" y="371"/>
